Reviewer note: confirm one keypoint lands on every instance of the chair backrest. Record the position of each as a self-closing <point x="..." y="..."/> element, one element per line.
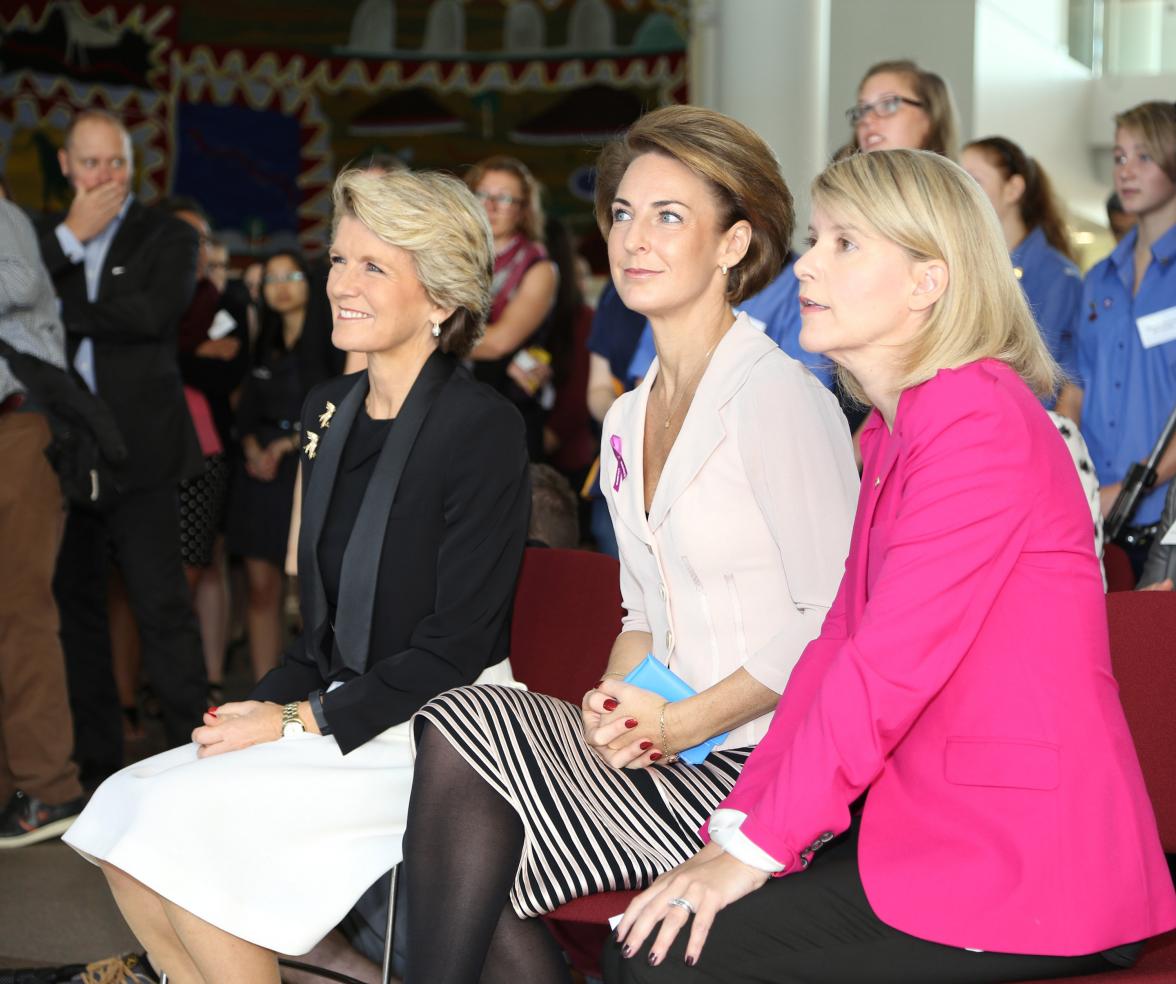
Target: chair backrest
<point x="1116" y="563"/>
<point x="567" y="613"/>
<point x="1143" y="652"/>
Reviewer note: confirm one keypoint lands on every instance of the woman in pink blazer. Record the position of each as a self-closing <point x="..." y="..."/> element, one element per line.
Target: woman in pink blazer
<point x="949" y="759"/>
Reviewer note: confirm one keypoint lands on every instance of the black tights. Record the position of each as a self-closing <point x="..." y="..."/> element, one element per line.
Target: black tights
<point x="461" y="851"/>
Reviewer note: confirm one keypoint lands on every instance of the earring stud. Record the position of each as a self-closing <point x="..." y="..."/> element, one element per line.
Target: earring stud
<point x="436" y="330"/>
<point x="723" y="268"/>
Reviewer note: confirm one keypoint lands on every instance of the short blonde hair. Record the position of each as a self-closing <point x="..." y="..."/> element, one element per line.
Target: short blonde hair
<point x="929" y="206"/>
<point x="1155" y="125"/>
<point x="935" y="95"/>
<point x="738" y="167"/>
<point x="435" y="218"/>
<point x="531" y="219"/>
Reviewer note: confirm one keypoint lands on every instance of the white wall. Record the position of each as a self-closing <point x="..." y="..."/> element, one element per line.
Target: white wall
<point x="1027" y="88"/>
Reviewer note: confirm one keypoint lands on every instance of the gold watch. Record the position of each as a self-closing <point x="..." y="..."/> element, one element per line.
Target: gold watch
<point x="291" y="722"/>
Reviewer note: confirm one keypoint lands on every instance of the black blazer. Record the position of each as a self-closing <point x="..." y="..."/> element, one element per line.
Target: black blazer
<point x="146" y="285"/>
<point x="429" y="575"/>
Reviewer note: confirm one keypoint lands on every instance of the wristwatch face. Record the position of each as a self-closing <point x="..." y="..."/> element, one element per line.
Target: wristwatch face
<point x="293" y="728"/>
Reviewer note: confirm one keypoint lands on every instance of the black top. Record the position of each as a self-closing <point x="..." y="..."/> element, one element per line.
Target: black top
<point x="424" y="583"/>
<point x="363" y="447"/>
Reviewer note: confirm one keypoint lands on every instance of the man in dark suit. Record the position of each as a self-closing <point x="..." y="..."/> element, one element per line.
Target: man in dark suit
<point x="125" y="274"/>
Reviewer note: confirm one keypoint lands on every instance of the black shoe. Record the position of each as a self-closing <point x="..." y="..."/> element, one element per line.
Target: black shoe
<point x="39" y="975"/>
<point x="27" y="820"/>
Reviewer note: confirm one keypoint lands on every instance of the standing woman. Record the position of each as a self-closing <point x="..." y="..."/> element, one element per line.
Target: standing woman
<point x="729" y="478"/>
<point x="1126" y="336"/>
<point x="961" y="682"/>
<point x="901" y="105"/>
<point x="261" y="835"/>
<point x="1035" y="233"/>
<point x="524" y="283"/>
<point x="262" y="492"/>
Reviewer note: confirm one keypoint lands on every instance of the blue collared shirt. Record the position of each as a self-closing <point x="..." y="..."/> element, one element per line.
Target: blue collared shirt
<point x="775" y="310"/>
<point x="1128" y="390"/>
<point x="1053" y="288"/>
<point x="93" y="254"/>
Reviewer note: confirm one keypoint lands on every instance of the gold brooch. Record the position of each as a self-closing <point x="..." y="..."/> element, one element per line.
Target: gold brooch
<point x="311" y="448"/>
<point x="326" y="415"/>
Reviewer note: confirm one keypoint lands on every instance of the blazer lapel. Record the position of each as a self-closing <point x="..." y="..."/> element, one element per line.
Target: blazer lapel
<point x="627" y="441"/>
<point x="876" y="469"/>
<point x="361" y="559"/>
<point x="315" y="501"/>
<point x="121" y="247"/>
<point x="703" y="430"/>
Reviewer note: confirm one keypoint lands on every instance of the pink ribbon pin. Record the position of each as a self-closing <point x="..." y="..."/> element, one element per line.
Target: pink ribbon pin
<point x="622" y="471"/>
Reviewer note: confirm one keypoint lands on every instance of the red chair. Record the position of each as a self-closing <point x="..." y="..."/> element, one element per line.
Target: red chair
<point x="1116" y="563"/>
<point x="567" y="614"/>
<point x="1143" y="627"/>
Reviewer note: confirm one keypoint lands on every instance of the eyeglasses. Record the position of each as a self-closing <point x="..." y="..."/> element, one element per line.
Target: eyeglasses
<point x="293" y="277"/>
<point x="886" y="106"/>
<point x="502" y="199"/>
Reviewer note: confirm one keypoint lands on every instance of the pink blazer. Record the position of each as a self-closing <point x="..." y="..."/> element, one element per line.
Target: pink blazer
<point x="963" y="678"/>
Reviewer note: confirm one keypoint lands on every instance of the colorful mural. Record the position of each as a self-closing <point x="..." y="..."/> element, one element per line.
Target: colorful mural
<point x="252" y="108"/>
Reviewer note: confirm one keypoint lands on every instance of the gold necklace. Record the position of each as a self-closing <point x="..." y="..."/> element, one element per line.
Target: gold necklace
<point x="686" y="389"/>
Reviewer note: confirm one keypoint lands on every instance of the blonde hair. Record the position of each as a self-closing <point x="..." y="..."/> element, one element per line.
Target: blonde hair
<point x="929" y="207"/>
<point x="1155" y="124"/>
<point x="935" y="95"/>
<point x="531" y="218"/>
<point x="443" y="227"/>
<point x="738" y="167"/>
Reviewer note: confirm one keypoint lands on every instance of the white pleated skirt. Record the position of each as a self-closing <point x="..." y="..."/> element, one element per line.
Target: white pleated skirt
<point x="272" y="843"/>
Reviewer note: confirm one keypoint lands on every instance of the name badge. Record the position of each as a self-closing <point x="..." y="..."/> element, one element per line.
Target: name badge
<point x="1158" y="328"/>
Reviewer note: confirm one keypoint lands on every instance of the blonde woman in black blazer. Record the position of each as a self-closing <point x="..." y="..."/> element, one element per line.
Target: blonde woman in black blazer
<point x="258" y="837"/>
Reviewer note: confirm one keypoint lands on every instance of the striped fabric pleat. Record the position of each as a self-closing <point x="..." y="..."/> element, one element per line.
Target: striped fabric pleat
<point x="588" y="827"/>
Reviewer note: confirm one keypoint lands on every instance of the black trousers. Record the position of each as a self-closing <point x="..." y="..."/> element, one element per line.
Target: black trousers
<point x="141" y="533"/>
<point x="817" y="927"/>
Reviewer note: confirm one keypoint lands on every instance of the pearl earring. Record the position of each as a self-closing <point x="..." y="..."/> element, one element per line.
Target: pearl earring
<point x="723" y="268"/>
<point x="436" y="330"/>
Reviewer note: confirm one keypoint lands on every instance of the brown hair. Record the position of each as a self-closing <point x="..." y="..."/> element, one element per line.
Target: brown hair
<point x="1155" y="124"/>
<point x="1039" y="206"/>
<point x="531" y="211"/>
<point x="740" y="169"/>
<point x="934" y="94"/>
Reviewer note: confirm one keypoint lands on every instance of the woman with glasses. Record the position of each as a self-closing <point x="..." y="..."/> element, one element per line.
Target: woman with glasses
<point x="950" y="753"/>
<point x="259" y="836"/>
<point x="261" y="495"/>
<point x="1035" y="233"/>
<point x="901" y="105"/>
<point x="523" y="290"/>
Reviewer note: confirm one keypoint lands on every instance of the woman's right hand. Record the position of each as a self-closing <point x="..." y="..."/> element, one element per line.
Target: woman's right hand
<point x="607" y="724"/>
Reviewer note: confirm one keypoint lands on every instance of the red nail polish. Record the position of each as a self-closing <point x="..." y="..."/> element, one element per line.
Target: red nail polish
<point x="610" y="704"/>
<point x="631" y="723"/>
<point x="213" y="710"/>
<point x="689" y="961"/>
<point x="626" y="950"/>
<point x="646" y="746"/>
<point x="654" y="756"/>
<point x="652" y="959"/>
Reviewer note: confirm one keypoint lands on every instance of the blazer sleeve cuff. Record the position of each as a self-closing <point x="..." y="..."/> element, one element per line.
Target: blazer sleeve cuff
<point x="724" y="831"/>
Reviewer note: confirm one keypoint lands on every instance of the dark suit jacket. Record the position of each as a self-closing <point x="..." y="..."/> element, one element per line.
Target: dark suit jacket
<point x="147" y="282"/>
<point x="441" y="563"/>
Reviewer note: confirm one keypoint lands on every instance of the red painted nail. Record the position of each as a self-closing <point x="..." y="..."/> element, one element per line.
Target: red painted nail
<point x="654" y="756"/>
<point x="213" y="710"/>
<point x="689" y="961"/>
<point x="631" y="723"/>
<point x="646" y="745"/>
<point x="610" y="704"/>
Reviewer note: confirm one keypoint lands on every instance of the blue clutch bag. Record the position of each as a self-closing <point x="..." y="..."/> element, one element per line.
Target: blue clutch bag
<point x="653" y="675"/>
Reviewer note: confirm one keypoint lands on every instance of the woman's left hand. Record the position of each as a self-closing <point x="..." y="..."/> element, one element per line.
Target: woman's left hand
<point x="238" y="725"/>
<point x="619" y="745"/>
<point x="708" y="885"/>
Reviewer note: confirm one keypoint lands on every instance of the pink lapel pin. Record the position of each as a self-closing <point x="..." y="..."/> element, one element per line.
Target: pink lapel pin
<point x="622" y="471"/>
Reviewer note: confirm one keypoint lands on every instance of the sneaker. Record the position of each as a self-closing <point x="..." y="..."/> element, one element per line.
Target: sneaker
<point x="130" y="968"/>
<point x="26" y="820"/>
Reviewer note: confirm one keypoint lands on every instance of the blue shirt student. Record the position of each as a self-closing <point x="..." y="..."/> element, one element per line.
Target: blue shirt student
<point x="776" y="311"/>
<point x="1053" y="288"/>
<point x="1128" y="373"/>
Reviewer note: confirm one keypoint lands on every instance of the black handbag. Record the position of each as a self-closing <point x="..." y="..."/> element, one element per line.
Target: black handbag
<point x="86" y="445"/>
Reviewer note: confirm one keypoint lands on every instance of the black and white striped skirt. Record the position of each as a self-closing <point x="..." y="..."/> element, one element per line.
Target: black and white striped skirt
<point x="588" y="827"/>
